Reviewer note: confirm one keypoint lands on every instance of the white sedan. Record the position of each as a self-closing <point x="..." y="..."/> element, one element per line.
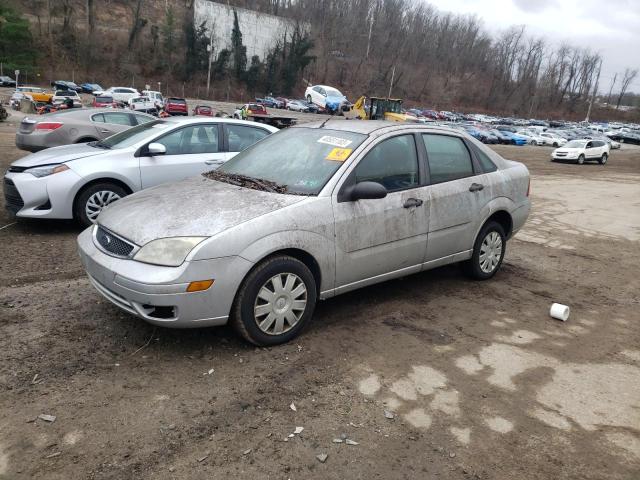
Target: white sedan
<point x="326" y="97"/>
<point x="532" y="138"/>
<point x="553" y="140"/>
<point x="581" y="150"/>
<point x="78" y="181"/>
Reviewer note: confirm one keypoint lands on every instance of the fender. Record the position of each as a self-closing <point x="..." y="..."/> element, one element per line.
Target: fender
<point x="497" y="204"/>
<point x="318" y="246"/>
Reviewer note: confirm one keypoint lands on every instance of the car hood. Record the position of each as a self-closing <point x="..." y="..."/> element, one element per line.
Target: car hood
<point x="195" y="207"/>
<point x="64" y="153"/>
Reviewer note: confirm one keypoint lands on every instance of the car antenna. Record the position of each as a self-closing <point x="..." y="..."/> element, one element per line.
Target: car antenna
<point x="324" y="123"/>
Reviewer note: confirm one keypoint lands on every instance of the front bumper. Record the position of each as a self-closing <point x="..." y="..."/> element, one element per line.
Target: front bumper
<point x="45" y="197"/>
<point x="158" y="294"/>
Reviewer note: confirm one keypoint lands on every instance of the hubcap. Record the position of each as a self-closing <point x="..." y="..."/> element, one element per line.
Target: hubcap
<point x="490" y="252"/>
<point x="98" y="201"/>
<point x="280" y="303"/>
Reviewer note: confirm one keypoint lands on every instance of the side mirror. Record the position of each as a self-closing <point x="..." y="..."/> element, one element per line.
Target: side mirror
<point x="156" y="149"/>
<point x="366" y="191"/>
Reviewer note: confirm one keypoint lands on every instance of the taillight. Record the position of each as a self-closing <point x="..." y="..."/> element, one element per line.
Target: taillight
<point x="48" y="125"/>
<point x="529" y="188"/>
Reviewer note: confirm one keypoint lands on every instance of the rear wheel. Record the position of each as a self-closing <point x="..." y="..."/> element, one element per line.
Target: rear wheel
<point x="488" y="252"/>
<point x="603" y="159"/>
<point x="90" y="201"/>
<point x="275" y="302"/>
<point x="581" y="159"/>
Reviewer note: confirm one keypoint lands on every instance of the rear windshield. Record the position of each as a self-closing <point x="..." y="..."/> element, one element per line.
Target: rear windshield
<point x="177" y="100"/>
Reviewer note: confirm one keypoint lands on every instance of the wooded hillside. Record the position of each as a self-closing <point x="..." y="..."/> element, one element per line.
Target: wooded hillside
<point x="440" y="60"/>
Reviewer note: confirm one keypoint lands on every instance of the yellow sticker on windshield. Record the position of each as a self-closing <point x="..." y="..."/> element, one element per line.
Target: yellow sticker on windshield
<point x="339" y="154"/>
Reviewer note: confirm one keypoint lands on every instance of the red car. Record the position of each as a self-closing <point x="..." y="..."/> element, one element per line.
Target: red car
<point x="175" y="106"/>
<point x="203" y="110"/>
<point x="103" y="101"/>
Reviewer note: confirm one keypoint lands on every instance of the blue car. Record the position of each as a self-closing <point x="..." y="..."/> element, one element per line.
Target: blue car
<point x="266" y="102"/>
<point x="91" y="87"/>
<point x="515" y="138"/>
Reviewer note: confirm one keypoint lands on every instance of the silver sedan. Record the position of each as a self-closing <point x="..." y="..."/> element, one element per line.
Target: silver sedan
<point x="77" y="181"/>
<point x="76" y="125"/>
<point x="306" y="214"/>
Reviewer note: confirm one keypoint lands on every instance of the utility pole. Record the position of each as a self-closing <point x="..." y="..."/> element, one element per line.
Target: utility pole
<point x="595" y="90"/>
<point x="393" y="74"/>
<point x="210" y="50"/>
<point x="369" y="39"/>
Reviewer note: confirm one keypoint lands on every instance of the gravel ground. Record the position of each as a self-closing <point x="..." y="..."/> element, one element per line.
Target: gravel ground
<point x="479" y="381"/>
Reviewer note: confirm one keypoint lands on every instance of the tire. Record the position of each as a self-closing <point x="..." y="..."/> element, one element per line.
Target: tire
<point x="93" y="198"/>
<point x="309" y="98"/>
<point x="555" y="144"/>
<point x="603" y="159"/>
<point x="491" y="237"/>
<point x="580" y="159"/>
<point x="256" y="328"/>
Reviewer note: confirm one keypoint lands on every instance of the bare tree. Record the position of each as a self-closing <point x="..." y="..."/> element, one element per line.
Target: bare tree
<point x="627" y="78"/>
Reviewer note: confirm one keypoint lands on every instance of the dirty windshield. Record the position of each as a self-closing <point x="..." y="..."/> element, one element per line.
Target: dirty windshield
<point x="297" y="160"/>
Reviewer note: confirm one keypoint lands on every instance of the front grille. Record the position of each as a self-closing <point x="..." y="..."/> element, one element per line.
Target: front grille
<point x="12" y="199"/>
<point x="112" y="244"/>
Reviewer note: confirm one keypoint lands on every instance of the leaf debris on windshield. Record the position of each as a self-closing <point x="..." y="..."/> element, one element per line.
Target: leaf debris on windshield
<point x="245" y="181"/>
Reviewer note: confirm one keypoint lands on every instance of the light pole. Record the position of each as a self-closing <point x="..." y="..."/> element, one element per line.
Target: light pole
<point x="210" y="51"/>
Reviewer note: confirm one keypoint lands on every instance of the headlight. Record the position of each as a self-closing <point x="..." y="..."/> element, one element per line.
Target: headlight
<point x="47" y="170"/>
<point x="170" y="252"/>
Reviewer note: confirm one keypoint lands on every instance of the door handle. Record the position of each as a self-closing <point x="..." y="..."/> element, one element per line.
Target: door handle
<point x="476" y="187"/>
<point x="412" y="202"/>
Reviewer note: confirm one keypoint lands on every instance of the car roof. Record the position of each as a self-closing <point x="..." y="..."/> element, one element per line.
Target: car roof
<point x="191" y="120"/>
<point x="367" y="127"/>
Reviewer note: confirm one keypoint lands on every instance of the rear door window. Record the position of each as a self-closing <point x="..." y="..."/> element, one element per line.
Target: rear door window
<point x="240" y="137"/>
<point x="448" y="158"/>
<point x="117" y="118"/>
<point x="485" y="162"/>
<point x="140" y="119"/>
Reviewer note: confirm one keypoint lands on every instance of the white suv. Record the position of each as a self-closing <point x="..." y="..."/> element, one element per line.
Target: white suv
<point x="582" y="150"/>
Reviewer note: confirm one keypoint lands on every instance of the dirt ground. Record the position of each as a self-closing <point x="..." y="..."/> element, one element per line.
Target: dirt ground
<point x="481" y="383"/>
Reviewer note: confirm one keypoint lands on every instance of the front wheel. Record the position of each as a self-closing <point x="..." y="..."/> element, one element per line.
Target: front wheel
<point x="488" y="252"/>
<point x="275" y="301"/>
<point x="603" y="159"/>
<point x="581" y="159"/>
<point x="90" y="202"/>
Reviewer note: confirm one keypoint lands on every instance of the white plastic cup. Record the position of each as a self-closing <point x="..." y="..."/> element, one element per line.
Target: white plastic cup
<point x="559" y="311"/>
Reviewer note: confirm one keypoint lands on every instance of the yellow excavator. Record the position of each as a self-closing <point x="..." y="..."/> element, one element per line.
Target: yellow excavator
<point x="379" y="109"/>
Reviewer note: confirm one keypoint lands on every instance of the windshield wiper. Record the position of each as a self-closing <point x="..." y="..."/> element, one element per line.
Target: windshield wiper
<point x="99" y="145"/>
<point x="242" y="181"/>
